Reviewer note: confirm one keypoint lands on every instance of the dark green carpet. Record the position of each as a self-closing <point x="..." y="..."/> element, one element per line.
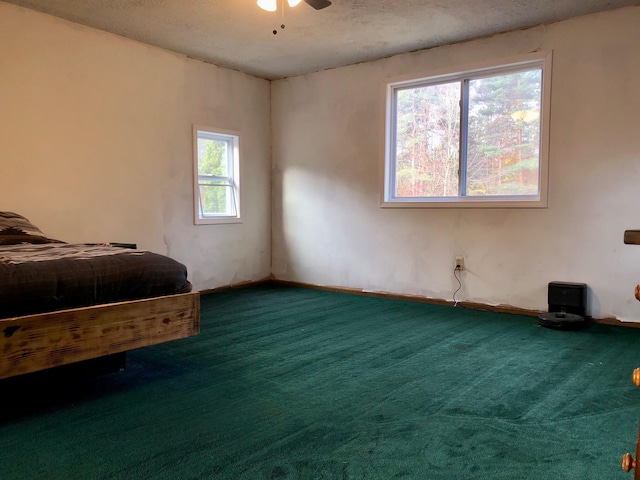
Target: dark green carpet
<point x="287" y="383"/>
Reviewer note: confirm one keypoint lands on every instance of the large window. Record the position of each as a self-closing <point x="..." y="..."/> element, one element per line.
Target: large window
<point x="216" y="176"/>
<point x="476" y="138"/>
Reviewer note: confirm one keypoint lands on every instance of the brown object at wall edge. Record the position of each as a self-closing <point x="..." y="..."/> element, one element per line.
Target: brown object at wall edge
<point x="632" y="237"/>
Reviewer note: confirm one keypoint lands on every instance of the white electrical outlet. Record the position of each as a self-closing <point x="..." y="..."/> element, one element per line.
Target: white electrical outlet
<point x="459" y="263"/>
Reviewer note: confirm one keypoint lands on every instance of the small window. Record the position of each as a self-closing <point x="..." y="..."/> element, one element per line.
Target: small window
<point x="477" y="138"/>
<point x="216" y="176"/>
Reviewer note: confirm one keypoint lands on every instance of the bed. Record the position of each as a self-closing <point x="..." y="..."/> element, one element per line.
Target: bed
<point x="64" y="303"/>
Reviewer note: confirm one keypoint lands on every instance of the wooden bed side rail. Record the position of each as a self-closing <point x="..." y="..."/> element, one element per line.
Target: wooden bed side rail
<point x="37" y="342"/>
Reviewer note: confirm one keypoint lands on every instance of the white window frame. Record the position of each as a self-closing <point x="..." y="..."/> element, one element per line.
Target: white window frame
<point x="513" y="64"/>
<point x="233" y="139"/>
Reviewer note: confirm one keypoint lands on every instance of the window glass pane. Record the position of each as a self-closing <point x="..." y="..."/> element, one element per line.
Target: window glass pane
<point x="427" y="140"/>
<point x="216" y="198"/>
<point x="213" y="156"/>
<point x="503" y="143"/>
<point x="216" y="189"/>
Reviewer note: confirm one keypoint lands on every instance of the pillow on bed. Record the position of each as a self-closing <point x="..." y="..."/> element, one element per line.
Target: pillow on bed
<point x="15" y="229"/>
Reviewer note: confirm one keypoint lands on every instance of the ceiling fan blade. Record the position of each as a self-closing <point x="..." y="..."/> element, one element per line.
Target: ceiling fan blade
<point x="318" y="4"/>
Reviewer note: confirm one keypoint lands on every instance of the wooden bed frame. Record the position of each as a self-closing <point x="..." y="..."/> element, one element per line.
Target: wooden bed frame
<point x="37" y="342"/>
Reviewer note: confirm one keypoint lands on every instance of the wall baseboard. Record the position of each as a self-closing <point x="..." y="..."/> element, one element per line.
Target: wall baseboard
<point x="414" y="298"/>
<point x="232" y="286"/>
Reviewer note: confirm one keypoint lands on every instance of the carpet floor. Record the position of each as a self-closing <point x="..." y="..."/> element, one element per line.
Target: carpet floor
<point x="293" y="383"/>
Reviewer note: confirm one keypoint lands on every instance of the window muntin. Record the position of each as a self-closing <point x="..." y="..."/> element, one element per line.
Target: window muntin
<point x="473" y="138"/>
<point x="216" y="176"/>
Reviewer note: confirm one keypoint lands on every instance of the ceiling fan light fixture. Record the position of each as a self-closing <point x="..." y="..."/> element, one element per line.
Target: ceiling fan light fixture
<point x="268" y="5"/>
<point x="293" y="3"/>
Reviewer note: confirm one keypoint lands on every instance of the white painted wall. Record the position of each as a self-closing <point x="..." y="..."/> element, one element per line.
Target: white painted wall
<point x="328" y="228"/>
<point x="95" y="144"/>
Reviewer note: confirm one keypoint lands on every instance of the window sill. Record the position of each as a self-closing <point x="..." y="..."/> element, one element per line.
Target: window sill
<point x="217" y="220"/>
<point x="466" y="202"/>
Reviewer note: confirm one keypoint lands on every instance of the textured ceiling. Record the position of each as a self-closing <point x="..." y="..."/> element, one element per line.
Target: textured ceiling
<point x="237" y="34"/>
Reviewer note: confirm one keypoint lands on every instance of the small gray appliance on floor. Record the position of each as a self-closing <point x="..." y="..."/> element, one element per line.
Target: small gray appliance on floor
<point x="567" y="306"/>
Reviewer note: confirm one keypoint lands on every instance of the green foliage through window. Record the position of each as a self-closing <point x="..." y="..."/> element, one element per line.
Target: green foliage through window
<point x="217" y="192"/>
<point x="473" y="134"/>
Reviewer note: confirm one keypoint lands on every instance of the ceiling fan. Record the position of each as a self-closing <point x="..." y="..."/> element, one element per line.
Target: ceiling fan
<point x="318" y="4"/>
<point x="272" y="5"/>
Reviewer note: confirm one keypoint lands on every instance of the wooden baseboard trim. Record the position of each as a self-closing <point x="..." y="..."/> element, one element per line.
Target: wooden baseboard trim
<point x="413" y="298"/>
<point x="366" y="293"/>
<point x="437" y="301"/>
<point x="614" y="322"/>
<point x="410" y="297"/>
<point x="233" y="286"/>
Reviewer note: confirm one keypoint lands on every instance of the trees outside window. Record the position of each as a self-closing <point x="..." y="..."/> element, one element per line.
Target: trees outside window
<point x="216" y="176"/>
<point x="472" y="138"/>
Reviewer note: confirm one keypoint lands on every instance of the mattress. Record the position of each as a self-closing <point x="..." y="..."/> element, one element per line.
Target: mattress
<point x="38" y="278"/>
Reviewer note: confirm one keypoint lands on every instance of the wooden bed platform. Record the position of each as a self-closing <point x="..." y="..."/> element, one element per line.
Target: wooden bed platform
<point x="37" y="342"/>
